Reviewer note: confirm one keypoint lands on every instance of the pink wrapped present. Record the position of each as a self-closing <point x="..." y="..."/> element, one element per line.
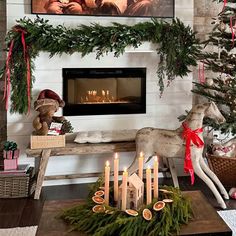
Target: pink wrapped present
<point x="10" y="164"/>
<point x="7" y="154"/>
<point x="11" y="154"/>
<point x="16" y="153"/>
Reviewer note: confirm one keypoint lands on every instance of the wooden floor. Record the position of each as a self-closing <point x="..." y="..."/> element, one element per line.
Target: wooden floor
<point x="27" y="211"/>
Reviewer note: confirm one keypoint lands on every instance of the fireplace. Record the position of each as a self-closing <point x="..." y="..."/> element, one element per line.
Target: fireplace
<point x="103" y="91"/>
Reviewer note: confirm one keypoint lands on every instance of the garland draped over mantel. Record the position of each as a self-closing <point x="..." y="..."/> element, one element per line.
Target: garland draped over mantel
<point x="177" y="47"/>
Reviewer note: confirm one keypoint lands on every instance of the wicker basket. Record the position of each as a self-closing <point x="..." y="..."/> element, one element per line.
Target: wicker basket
<point x="224" y="168"/>
<point x="14" y="186"/>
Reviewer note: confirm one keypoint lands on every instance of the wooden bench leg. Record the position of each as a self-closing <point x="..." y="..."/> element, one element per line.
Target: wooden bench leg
<point x="41" y="172"/>
<point x="173" y="172"/>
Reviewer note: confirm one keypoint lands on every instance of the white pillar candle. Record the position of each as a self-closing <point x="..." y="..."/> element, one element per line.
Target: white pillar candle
<point x="148" y="185"/>
<point x="107" y="182"/>
<point x="140" y="166"/>
<point x="155" y="181"/>
<point x="124" y="190"/>
<point x="116" y="174"/>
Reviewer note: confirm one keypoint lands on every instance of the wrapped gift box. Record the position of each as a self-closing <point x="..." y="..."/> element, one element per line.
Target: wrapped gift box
<point x="10" y="164"/>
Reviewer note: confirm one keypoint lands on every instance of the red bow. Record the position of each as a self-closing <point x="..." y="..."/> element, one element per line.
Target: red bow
<point x="20" y="30"/>
<point x="190" y="136"/>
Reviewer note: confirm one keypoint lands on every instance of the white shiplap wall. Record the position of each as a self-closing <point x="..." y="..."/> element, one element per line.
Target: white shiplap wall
<point x="160" y="112"/>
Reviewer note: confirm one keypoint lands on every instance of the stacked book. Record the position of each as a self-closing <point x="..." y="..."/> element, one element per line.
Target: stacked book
<point x="22" y="170"/>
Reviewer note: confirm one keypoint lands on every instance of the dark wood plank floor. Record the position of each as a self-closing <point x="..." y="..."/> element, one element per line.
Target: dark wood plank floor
<point x="27" y="211"/>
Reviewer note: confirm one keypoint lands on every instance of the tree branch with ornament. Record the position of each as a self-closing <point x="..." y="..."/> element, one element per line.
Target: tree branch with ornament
<point x="220" y="58"/>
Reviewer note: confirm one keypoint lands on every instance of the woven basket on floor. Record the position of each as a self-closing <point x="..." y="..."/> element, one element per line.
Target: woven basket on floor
<point x="224" y="168"/>
<point x="13" y="186"/>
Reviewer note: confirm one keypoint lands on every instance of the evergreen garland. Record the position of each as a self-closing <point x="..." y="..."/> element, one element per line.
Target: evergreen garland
<point x="164" y="222"/>
<point x="177" y="46"/>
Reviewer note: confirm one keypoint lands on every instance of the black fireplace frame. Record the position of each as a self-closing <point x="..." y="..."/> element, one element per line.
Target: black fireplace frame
<point x="104" y="109"/>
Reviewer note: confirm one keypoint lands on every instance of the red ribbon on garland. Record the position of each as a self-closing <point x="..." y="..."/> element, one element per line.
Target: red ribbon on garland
<point x="7" y="70"/>
<point x="191" y="136"/>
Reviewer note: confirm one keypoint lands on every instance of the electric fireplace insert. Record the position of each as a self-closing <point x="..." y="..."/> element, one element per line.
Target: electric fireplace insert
<point x="103" y="91"/>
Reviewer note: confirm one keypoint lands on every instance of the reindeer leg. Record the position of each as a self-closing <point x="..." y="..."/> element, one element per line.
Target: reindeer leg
<point x="198" y="170"/>
<point x="134" y="166"/>
<point x="173" y="172"/>
<point x="212" y="175"/>
<point x="142" y="145"/>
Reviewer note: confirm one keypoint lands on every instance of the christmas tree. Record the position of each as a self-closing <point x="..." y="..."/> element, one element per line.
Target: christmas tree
<point x="220" y="58"/>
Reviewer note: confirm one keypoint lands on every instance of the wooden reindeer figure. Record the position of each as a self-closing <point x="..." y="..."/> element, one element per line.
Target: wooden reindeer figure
<point x="184" y="142"/>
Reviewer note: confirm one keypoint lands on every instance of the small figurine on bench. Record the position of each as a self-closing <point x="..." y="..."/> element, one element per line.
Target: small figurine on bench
<point x="47" y="104"/>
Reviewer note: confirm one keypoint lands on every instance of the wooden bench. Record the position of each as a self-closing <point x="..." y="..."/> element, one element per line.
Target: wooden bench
<point x="73" y="148"/>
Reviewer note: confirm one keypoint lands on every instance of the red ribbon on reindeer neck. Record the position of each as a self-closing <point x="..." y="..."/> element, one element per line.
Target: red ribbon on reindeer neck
<point x="191" y="136"/>
<point x="7" y="71"/>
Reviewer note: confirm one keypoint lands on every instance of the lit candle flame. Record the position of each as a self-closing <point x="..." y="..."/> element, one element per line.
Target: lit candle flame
<point x="116" y="155"/>
<point x="107" y="163"/>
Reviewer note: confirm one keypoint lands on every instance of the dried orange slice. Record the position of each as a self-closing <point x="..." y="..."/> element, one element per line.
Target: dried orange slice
<point x="147" y="214"/>
<point x="109" y="212"/>
<point x="98" y="199"/>
<point x="131" y="212"/>
<point x="165" y="191"/>
<point x="98" y="209"/>
<point x="167" y="200"/>
<point x="159" y="205"/>
<point x="99" y="193"/>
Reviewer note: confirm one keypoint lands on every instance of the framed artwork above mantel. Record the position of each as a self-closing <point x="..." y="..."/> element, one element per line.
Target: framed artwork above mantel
<point x="125" y="8"/>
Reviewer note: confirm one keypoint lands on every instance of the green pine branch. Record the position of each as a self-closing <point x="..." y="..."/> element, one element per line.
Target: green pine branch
<point x="164" y="222"/>
<point x="176" y="43"/>
<point x="220" y="58"/>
